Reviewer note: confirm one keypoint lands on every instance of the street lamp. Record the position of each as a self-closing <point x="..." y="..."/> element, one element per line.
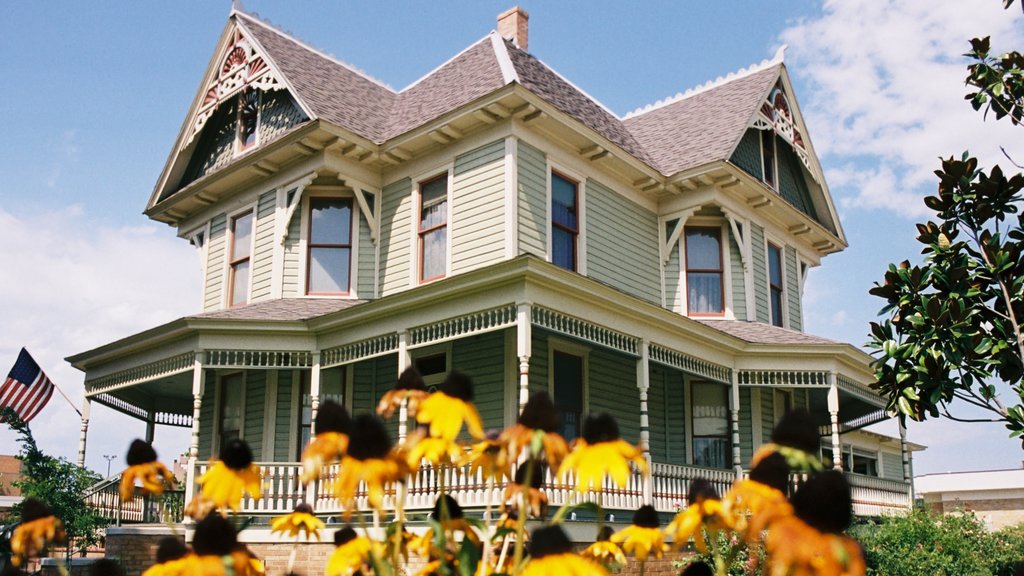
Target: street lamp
<point x="109" y="457"/>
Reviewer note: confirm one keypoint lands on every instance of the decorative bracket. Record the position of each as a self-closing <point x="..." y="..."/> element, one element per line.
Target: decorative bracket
<point x="300" y="187"/>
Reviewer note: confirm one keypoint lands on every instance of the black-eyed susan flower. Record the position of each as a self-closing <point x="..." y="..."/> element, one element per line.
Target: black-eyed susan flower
<point x="231" y="477"/>
<point x="410" y="387"/>
<point x="488" y="457"/>
<point x="214" y="536"/>
<point x="599" y="452"/>
<point x="351" y="553"/>
<point x="330" y="442"/>
<point x="604" y="551"/>
<point x="528" y="482"/>
<point x="551" y="553"/>
<point x="420" y="447"/>
<point x="449" y="515"/>
<point x="539" y="417"/>
<point x="301" y="520"/>
<point x="244" y="562"/>
<point x="795" y="439"/>
<point x="752" y="506"/>
<point x="143" y="465"/>
<point x="38" y="529"/>
<point x="446" y="410"/>
<point x="169" y="554"/>
<point x="643" y="537"/>
<point x="369" y="460"/>
<point x="704" y="512"/>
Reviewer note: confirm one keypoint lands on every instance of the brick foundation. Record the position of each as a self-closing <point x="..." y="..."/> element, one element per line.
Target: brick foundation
<point x="135" y="546"/>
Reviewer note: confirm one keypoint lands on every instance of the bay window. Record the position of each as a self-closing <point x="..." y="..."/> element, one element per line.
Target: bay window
<point x="704" y="286"/>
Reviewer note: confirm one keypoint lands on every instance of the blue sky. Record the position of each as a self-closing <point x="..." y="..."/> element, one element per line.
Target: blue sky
<point x="95" y="93"/>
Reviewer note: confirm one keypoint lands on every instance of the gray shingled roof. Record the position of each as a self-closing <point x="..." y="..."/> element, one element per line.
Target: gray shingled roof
<point x="285" y="309"/>
<point x="703" y="127"/>
<point x="760" y="333"/>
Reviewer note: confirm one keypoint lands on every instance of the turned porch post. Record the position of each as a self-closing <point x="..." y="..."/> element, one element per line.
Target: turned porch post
<point x="734" y="423"/>
<point x="403" y="362"/>
<point x="643" y="383"/>
<point x="314" y="392"/>
<point x="833" y="413"/>
<point x="86" y="404"/>
<point x="198" y="385"/>
<point x="523" y="346"/>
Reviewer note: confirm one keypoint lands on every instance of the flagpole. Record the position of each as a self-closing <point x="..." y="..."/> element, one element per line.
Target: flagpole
<point x="67" y="399"/>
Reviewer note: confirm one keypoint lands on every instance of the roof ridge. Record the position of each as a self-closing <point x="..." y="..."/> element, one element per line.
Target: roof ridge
<point x="508" y="69"/>
<point x="443" y="64"/>
<point x="711" y="84"/>
<point x="257" y="19"/>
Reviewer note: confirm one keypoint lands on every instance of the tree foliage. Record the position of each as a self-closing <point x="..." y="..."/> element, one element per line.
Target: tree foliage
<point x="57" y="482"/>
<point x="952" y="330"/>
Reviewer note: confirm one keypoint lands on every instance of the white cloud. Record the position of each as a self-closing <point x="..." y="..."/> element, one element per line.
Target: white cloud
<point x="71" y="285"/>
<point x="886" y="83"/>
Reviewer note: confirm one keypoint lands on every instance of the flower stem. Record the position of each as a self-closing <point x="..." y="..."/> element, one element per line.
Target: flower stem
<point x="524" y="511"/>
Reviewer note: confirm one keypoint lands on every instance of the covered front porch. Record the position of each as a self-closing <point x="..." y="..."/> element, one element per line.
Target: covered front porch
<point x="698" y="396"/>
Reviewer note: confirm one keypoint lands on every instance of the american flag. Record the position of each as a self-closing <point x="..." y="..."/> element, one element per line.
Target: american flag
<point x="27" y="389"/>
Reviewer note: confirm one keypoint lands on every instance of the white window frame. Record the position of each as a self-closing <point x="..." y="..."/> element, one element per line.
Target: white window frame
<point x="575" y="349"/>
<point x="431" y="380"/>
<point x="691" y="451"/>
<point x="723" y="246"/>
<point x="228" y="248"/>
<point x="304" y="228"/>
<point x="415" y="263"/>
<point x="581" y="212"/>
<point x="771" y="240"/>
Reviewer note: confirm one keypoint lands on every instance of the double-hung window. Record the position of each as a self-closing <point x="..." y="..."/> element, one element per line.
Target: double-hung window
<point x="775" y="286"/>
<point x="240" y="261"/>
<point x="230" y="421"/>
<point x="704" y="289"/>
<point x="330" y="246"/>
<point x="433" y="228"/>
<point x="565" y="229"/>
<point x="710" y="425"/>
<point x="332" y="388"/>
<point x="567" y="370"/>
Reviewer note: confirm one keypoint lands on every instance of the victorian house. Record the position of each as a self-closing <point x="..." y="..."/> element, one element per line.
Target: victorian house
<point x="495" y="218"/>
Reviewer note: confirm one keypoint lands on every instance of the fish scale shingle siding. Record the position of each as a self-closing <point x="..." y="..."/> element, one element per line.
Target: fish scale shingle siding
<point x="478" y="208"/>
<point x="622" y="243"/>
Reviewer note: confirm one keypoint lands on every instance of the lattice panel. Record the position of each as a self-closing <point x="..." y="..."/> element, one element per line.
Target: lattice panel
<point x="139" y="374"/>
<point x="690" y="364"/>
<point x="584" y="330"/>
<point x="257" y="359"/>
<point x="368" y="348"/>
<point x="483" y="321"/>
<point x="797" y="378"/>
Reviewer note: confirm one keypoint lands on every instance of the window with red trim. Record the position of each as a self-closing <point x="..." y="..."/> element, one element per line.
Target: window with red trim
<point x="433" y="228"/>
<point x="704" y="289"/>
<point x="330" y="246"/>
<point x="239" y="260"/>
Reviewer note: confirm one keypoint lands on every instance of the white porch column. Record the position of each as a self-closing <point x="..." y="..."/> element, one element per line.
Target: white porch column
<point x="523" y="346"/>
<point x="198" y="385"/>
<point x="314" y="392"/>
<point x="86" y="404"/>
<point x="404" y="361"/>
<point x="833" y="412"/>
<point x="643" y="382"/>
<point x="734" y="423"/>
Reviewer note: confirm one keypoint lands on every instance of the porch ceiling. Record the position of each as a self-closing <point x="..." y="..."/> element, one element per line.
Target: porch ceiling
<point x="166" y="395"/>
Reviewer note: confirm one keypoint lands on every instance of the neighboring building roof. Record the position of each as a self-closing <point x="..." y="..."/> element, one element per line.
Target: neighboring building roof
<point x="970" y="481"/>
<point x="285" y="309"/>
<point x="760" y="333"/>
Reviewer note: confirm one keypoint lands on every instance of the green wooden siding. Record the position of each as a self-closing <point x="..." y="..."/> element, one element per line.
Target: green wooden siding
<point x="255" y="400"/>
<point x="283" y="449"/>
<point x="621" y="232"/>
<point x="612" y="388"/>
<point x="767" y="414"/>
<point x="793" y="290"/>
<point x="532" y="191"/>
<point x="213" y="289"/>
<point x="395" y="237"/>
<point x="482" y="357"/>
<point x="792" y="179"/>
<point x="739" y="296"/>
<point x="746" y="427"/>
<point x="673" y="281"/>
<point x="758" y="259"/>
<point x="206" y="412"/>
<point x="366" y="261"/>
<point x="478" y="208"/>
<point x="371" y="379"/>
<point x="263" y="254"/>
<point x="667" y="417"/>
<point x="748" y="153"/>
<point x="290" y="283"/>
<point x="800" y="399"/>
<point x="539" y="361"/>
<point x="891" y="466"/>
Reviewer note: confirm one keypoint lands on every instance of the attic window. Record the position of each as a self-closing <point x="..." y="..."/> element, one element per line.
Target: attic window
<point x="248" y="119"/>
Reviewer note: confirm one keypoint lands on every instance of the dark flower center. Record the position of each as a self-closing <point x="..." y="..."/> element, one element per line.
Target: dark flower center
<point x="214" y="536"/>
<point x="237" y="454"/>
<point x="332" y="417"/>
<point x="454" y="511"/>
<point x="697" y="569"/>
<point x="458" y="385"/>
<point x="304" y="508"/>
<point x="344" y="535"/>
<point x="34" y="509"/>
<point x="701" y="489"/>
<point x="646" y="517"/>
<point x="548" y="541"/>
<point x="539" y="413"/>
<point x="797" y="430"/>
<point x="368" y="438"/>
<point x="536" y="476"/>
<point x="140" y="452"/>
<point x="772" y="471"/>
<point x="605" y="533"/>
<point x="600" y="427"/>
<point x="410" y="379"/>
<point x="824" y="502"/>
<point x="170" y="548"/>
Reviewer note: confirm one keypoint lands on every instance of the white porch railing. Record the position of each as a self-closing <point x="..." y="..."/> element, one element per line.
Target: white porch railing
<point x="282" y="490"/>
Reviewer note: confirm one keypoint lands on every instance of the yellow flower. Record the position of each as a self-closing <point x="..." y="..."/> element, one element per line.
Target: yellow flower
<point x="38" y="528"/>
<point x="244" y="563"/>
<point x="447" y="409"/>
<point x="143" y="465"/>
<point x="539" y="416"/>
<point x="644" y="536"/>
<point x="551" y="553"/>
<point x="351" y="553"/>
<point x="369" y="460"/>
<point x="490" y="458"/>
<point x="170" y="553"/>
<point x="795" y="548"/>
<point x="601" y="452"/>
<point x="329" y="444"/>
<point x="300" y="520"/>
<point x="189" y="565"/>
<point x="705" y="511"/>
<point x="536" y="498"/>
<point x="753" y="506"/>
<point x="608" y="553"/>
<point x="410" y="387"/>
<point x="229" y="478"/>
<point x="436" y="451"/>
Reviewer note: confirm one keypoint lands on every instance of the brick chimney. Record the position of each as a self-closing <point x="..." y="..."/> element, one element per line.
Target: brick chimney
<point x="514" y="24"/>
